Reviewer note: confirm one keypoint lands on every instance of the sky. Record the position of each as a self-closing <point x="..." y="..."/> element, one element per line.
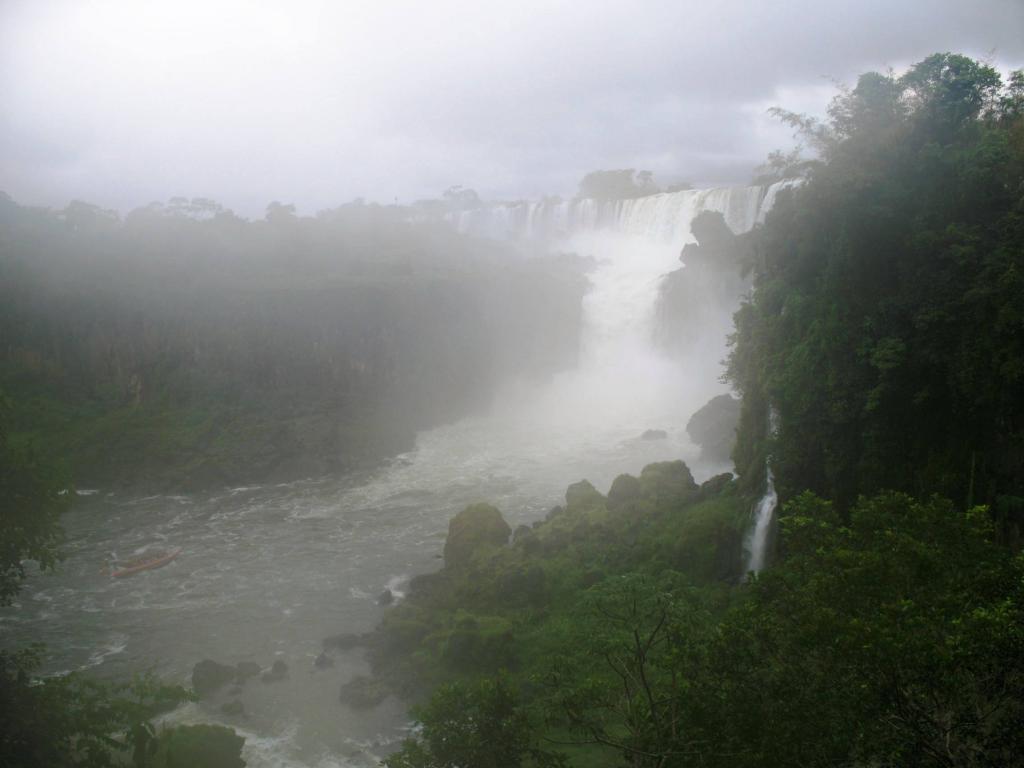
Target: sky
<point x="316" y="103"/>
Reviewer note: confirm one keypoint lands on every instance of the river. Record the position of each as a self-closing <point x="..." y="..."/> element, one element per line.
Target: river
<point x="266" y="572"/>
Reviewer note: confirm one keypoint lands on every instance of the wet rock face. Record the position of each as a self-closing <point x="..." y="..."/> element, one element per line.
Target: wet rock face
<point x="478" y="525"/>
<point x="713" y="427"/>
<point x="209" y="676"/>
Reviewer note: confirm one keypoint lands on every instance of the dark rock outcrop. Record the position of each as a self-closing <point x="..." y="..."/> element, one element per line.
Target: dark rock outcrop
<point x="478" y="525"/>
<point x="233" y="709"/>
<point x="713" y="427"/>
<point x="208" y="676"/>
<point x="387" y="597"/>
<point x="582" y="496"/>
<point x="667" y="480"/>
<point x="625" y="490"/>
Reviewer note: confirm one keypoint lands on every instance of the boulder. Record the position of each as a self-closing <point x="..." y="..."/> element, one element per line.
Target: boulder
<point x="276" y="673"/>
<point x="581" y="496"/>
<point x="713" y="427"/>
<point x="625" y="490"/>
<point x="209" y="676"/>
<point x="201" y="746"/>
<point x="667" y="481"/>
<point x="387" y="597"/>
<point x="477" y="526"/>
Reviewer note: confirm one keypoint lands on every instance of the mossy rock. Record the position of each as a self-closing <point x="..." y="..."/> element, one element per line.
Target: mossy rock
<point x="581" y="497"/>
<point x="625" y="491"/>
<point x="208" y="676"/>
<point x="667" y="482"/>
<point x="475" y="527"/>
<point x="200" y="746"/>
<point x="713" y="427"/>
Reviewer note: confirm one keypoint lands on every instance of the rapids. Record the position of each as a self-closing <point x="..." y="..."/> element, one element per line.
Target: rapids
<point x="267" y="572"/>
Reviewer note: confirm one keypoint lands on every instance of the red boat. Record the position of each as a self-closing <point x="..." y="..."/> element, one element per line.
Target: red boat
<point x="145" y="564"/>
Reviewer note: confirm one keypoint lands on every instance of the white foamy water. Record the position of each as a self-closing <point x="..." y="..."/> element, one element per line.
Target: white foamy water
<point x="266" y="572"/>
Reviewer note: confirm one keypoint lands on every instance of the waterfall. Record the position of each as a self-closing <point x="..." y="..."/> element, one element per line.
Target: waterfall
<point x="663" y="218"/>
<point x="764" y="510"/>
<point x="622" y="378"/>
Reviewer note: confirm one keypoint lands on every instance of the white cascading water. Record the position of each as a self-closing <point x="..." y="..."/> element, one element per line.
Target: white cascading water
<point x="636" y="242"/>
<point x="268" y="571"/>
<point x="764" y="511"/>
<point x="622" y="378"/>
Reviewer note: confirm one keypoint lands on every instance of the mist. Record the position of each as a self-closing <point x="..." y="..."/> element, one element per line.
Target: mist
<point x="315" y="104"/>
<point x="409" y="385"/>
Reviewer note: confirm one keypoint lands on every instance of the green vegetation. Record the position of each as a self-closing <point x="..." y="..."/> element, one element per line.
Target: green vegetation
<point x="886" y="327"/>
<point x="885" y="332"/>
<point x="896" y="638"/>
<point x="184" y="347"/>
<point x="72" y="720"/>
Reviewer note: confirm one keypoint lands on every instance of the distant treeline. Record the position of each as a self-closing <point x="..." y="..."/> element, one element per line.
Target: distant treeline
<point x="183" y="345"/>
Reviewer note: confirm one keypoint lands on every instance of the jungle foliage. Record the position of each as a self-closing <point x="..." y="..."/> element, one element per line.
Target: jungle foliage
<point x="886" y="327"/>
<point x="880" y="358"/>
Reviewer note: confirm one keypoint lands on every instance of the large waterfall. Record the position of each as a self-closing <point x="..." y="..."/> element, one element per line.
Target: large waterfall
<point x="634" y="243"/>
<point x="622" y="377"/>
<point x="270" y="570"/>
<point x="662" y="218"/>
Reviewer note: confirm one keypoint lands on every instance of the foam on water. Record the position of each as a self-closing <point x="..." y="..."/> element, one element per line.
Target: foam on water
<point x="267" y="571"/>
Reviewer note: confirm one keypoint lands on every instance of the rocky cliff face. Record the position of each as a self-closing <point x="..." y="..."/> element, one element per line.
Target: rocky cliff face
<point x="174" y="352"/>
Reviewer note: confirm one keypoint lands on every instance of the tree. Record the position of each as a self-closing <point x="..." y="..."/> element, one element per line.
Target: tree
<point x="885" y="327"/>
<point x="893" y="640"/>
<point x="625" y="666"/>
<point x="33" y="496"/>
<point x="479" y="724"/>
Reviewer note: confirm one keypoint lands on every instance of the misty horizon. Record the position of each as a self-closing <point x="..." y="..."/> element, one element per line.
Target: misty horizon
<point x="123" y="104"/>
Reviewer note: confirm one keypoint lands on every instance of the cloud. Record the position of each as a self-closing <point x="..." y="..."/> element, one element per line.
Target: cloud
<point x="318" y="102"/>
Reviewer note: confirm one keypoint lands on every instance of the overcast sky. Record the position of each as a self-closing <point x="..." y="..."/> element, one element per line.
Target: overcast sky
<point x="315" y="103"/>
